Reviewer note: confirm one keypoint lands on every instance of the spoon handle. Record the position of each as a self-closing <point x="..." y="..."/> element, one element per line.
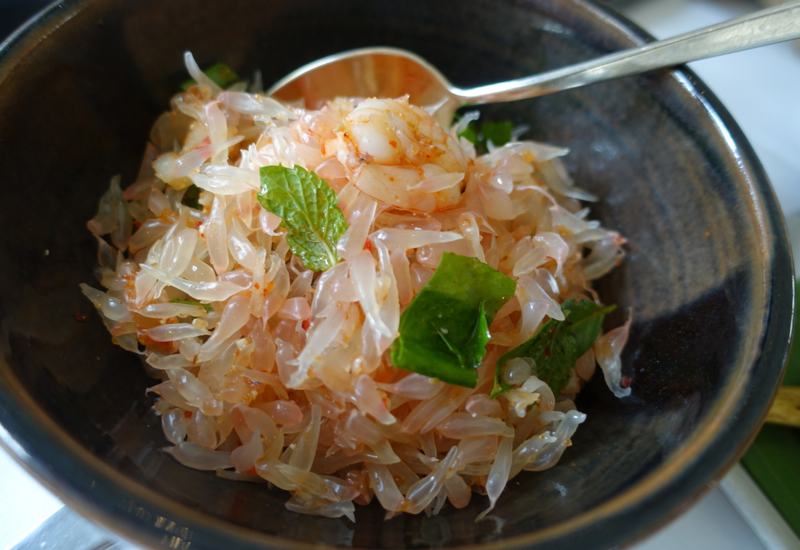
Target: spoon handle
<point x="750" y="31"/>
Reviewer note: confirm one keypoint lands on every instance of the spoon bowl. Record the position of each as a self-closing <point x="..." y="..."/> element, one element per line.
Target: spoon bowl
<point x="393" y="72"/>
<point x="366" y="72"/>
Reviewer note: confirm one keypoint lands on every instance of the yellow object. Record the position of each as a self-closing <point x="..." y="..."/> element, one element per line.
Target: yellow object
<point x="786" y="407"/>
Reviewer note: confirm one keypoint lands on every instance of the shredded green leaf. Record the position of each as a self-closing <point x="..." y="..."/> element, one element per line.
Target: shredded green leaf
<point x="220" y="73"/>
<point x="310" y="212"/>
<point x="206" y="307"/>
<point x="445" y="328"/>
<point x="499" y="133"/>
<point x="557" y="345"/>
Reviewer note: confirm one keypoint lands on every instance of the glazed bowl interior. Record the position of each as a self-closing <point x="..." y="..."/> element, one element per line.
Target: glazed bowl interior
<point x="707" y="277"/>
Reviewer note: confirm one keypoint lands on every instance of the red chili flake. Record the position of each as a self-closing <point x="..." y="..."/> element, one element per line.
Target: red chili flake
<point x="626" y="382"/>
<point x="187" y="414"/>
<point x="256" y="286"/>
<point x="306" y="324"/>
<point x="81" y="317"/>
<point x="547" y="351"/>
<point x="137" y="223"/>
<point x="197" y="224"/>
<point x="251" y="470"/>
<point x="393" y="143"/>
<point x="368" y="245"/>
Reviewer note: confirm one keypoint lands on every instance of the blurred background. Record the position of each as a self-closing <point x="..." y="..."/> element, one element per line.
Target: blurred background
<point x="757" y="505"/>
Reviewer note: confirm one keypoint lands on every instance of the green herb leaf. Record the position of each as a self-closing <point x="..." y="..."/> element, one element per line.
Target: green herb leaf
<point x="220" y="73"/>
<point x="470" y="133"/>
<point x="206" y="307"/>
<point x="499" y="133"/>
<point x="310" y="212"/>
<point x="557" y="345"/>
<point x="475" y="348"/>
<point x="191" y="197"/>
<point x="445" y="328"/>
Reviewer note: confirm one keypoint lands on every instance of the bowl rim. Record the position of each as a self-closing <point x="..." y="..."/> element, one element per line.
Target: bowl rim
<point x="25" y="429"/>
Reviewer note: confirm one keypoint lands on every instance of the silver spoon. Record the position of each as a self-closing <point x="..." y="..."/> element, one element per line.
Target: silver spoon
<point x="392" y="72"/>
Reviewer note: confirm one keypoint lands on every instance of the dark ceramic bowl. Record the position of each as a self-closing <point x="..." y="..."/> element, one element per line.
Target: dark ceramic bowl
<point x="708" y="275"/>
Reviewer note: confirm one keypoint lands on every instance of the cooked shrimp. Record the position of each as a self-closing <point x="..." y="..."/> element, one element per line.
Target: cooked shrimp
<point x="397" y="154"/>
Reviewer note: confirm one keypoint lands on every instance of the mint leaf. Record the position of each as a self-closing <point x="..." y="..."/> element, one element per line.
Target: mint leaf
<point x="445" y="328"/>
<point x="206" y="307"/>
<point x="310" y="212"/>
<point x="475" y="348"/>
<point x="470" y="133"/>
<point x="557" y="345"/>
<point x="499" y="133"/>
<point x="220" y="73"/>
